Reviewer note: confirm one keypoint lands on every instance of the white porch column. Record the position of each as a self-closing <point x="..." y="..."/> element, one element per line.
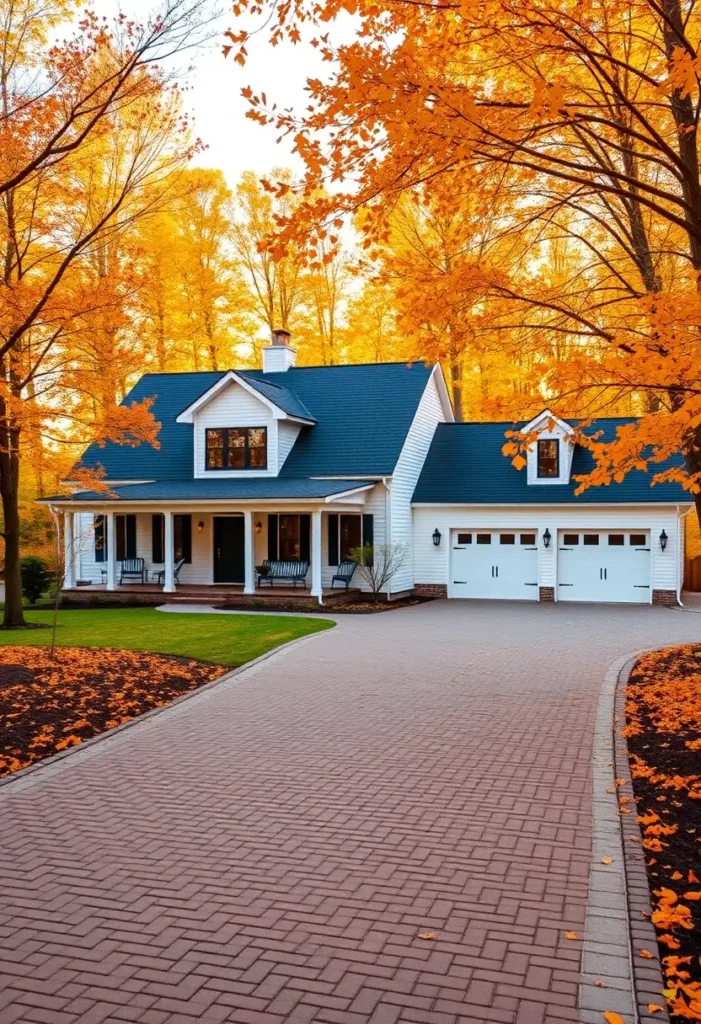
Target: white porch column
<point x="111" y="551"/>
<point x="249" y="579"/>
<point x="169" y="578"/>
<point x="68" y="550"/>
<point x="316" y="557"/>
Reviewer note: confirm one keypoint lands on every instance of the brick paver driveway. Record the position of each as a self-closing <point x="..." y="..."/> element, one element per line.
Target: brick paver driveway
<point x="268" y="851"/>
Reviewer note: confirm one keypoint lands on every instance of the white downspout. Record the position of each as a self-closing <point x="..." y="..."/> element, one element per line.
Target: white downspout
<point x="387" y="482"/>
<point x="680" y="568"/>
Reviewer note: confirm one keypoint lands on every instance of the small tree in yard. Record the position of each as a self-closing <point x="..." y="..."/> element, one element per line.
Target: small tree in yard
<point x="36" y="577"/>
<point x="378" y="564"/>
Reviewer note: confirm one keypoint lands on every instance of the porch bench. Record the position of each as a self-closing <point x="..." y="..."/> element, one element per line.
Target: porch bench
<point x="133" y="569"/>
<point x="287" y="572"/>
<point x="344" y="574"/>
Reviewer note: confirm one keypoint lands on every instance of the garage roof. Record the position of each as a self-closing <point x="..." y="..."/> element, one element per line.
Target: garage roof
<point x="465" y="466"/>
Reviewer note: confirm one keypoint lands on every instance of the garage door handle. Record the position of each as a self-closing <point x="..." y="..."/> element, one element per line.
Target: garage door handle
<point x="565" y="584"/>
<point x="642" y="586"/>
<point x="460" y="581"/>
<point x="642" y="549"/>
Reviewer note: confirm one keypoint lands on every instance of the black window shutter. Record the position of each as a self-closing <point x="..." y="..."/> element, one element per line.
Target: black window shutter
<point x="100" y="528"/>
<point x="186" y="537"/>
<point x="157" y="536"/>
<point x="305" y="526"/>
<point x="368" y="530"/>
<point x="131" y="537"/>
<point x="119" y="537"/>
<point x="333" y="539"/>
<point x="272" y="538"/>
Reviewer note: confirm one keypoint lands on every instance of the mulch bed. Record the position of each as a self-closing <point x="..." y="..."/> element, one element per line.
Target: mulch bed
<point x="663" y="729"/>
<point x="49" y="704"/>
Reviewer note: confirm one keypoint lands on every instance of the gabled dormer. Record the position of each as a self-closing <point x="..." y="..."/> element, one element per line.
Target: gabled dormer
<point x="245" y="425"/>
<point x="549" y="457"/>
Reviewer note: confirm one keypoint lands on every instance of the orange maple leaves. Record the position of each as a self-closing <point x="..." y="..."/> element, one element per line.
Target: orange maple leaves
<point x="663" y="724"/>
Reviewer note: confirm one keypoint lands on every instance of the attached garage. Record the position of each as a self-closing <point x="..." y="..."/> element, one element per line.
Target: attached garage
<point x="495" y="564"/>
<point x="604" y="565"/>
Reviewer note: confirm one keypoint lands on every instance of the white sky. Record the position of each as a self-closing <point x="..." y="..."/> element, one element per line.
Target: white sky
<point x="235" y="143"/>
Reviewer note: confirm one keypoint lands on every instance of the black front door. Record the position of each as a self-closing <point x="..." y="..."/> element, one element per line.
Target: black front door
<point x="228" y="549"/>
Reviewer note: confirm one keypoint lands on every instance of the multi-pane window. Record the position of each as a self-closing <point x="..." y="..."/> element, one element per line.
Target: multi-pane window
<point x="548" y="458"/>
<point x="236" y="448"/>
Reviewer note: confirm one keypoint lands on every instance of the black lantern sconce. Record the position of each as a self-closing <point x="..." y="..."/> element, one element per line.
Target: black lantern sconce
<point x="200" y="527"/>
<point x="436" y="537"/>
<point x="546" y="538"/>
<point x="663" y="540"/>
<point x="259" y="527"/>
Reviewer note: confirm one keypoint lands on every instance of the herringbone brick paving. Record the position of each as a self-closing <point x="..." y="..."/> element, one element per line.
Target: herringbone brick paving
<point x="269" y="851"/>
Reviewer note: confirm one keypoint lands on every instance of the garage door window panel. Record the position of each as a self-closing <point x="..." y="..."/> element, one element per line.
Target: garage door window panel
<point x="527" y="539"/>
<point x="591" y="540"/>
<point x="464" y="538"/>
<point x="570" y="540"/>
<point x="507" y="538"/>
<point x="484" y="538"/>
<point x="616" y="540"/>
<point x="638" y="540"/>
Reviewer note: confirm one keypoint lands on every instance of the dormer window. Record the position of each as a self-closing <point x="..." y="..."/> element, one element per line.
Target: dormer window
<point x="236" y="448"/>
<point x="548" y="458"/>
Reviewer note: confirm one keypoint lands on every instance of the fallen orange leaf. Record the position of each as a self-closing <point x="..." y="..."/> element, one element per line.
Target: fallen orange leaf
<point x="613" y="1018"/>
<point x="647" y="954"/>
<point x="428" y="935"/>
<point x="654" y="1008"/>
<point x="571" y="935"/>
<point x="607" y="860"/>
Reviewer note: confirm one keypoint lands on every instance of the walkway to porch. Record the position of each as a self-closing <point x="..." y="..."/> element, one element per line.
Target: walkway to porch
<point x="189" y="593"/>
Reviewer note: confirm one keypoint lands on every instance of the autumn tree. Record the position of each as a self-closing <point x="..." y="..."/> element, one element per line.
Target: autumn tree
<point x="87" y="130"/>
<point x="589" y="112"/>
<point x="273" y="281"/>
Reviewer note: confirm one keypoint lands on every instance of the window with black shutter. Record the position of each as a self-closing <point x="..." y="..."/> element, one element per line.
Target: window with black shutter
<point x="182" y="538"/>
<point x="100" y="530"/>
<point x="158" y="526"/>
<point x="125" y="537"/>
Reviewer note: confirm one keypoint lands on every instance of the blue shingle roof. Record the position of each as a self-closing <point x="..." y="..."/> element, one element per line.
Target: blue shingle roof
<point x="465" y="465"/>
<point x="363" y="415"/>
<point x="281" y="396"/>
<point x="258" y="488"/>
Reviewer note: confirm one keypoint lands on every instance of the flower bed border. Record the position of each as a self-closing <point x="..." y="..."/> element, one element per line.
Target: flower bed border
<point x="615" y="930"/>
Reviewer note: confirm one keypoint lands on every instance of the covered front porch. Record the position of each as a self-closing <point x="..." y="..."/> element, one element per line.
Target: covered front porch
<point x="213" y="553"/>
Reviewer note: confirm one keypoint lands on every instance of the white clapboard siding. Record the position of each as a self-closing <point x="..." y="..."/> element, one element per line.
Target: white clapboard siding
<point x="431" y="563"/>
<point x="286" y="436"/>
<point x="235" y="407"/>
<point x="409" y="465"/>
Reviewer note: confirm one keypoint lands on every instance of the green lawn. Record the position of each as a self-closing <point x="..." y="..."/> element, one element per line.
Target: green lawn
<point x="224" y="639"/>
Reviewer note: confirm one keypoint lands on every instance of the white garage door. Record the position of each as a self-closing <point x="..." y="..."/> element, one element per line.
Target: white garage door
<point x="496" y="564"/>
<point x="603" y="565"/>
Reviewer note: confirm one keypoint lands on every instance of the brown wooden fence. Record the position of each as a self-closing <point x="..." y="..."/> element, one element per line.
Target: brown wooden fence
<point x="692" y="574"/>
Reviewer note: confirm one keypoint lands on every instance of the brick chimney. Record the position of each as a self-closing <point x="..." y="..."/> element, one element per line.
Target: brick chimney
<point x="279" y="355"/>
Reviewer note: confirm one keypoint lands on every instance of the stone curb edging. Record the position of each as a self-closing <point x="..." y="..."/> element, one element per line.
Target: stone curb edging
<point x="33" y="774"/>
<point x="615" y="930"/>
<point x="648" y="980"/>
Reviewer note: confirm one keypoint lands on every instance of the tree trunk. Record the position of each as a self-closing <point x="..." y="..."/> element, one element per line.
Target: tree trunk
<point x="9" y="492"/>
